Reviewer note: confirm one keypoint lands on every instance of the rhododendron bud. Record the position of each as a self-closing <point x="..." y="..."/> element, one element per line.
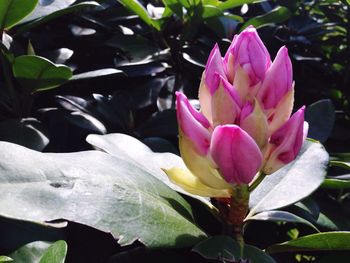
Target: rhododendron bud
<point x="278" y="80"/>
<point x="214" y="69"/>
<point x="248" y="52"/>
<point x="192" y="124"/>
<point x="225" y="100"/>
<point x="236" y="154"/>
<point x="254" y="122"/>
<point x="195" y="136"/>
<point x="286" y="142"/>
<point x="210" y="80"/>
<point x="244" y="125"/>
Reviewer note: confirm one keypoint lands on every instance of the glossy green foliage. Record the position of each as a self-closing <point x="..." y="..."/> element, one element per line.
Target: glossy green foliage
<point x="13" y="11"/>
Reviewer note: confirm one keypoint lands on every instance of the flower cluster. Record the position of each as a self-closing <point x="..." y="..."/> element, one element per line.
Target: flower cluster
<point x="244" y="125"/>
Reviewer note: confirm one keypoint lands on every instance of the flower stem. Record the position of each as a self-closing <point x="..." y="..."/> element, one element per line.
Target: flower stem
<point x="258" y="179"/>
<point x="238" y="210"/>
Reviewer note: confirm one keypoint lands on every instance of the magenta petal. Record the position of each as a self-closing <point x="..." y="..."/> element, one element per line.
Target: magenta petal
<point x="231" y="90"/>
<point x="246" y="110"/>
<point x="192" y="124"/>
<point x="236" y="154"/>
<point x="251" y="54"/>
<point x="213" y="69"/>
<point x="226" y="104"/>
<point x="289" y="138"/>
<point x="278" y="80"/>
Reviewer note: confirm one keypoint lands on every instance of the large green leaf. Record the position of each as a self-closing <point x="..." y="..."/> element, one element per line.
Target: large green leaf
<point x="13" y="11"/>
<point x="47" y="7"/>
<point x="331" y="183"/>
<point x="38" y="73"/>
<point x="56" y="253"/>
<point x="43" y="14"/>
<point x="30" y="253"/>
<point x="131" y="149"/>
<point x="320" y="241"/>
<point x="345" y="165"/>
<point x="5" y="259"/>
<point x="293" y="182"/>
<point x="41" y="252"/>
<point x="109" y="193"/>
<point x="278" y="216"/>
<point x="137" y="8"/>
<point x="226" y="248"/>
<point x="277" y="15"/>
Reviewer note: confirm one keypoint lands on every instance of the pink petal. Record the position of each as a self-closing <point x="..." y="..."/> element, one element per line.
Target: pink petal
<point x="250" y="53"/>
<point x="237" y="155"/>
<point x="254" y="121"/>
<point x="225" y="104"/>
<point x="278" y="81"/>
<point x="193" y="124"/>
<point x="287" y="141"/>
<point x="213" y="69"/>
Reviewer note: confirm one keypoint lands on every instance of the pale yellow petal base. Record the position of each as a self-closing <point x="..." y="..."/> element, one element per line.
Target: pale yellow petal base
<point x="190" y="183"/>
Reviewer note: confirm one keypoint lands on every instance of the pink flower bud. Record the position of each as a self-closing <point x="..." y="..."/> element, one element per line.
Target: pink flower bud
<point x="248" y="51"/>
<point x="213" y="69"/>
<point x="253" y="120"/>
<point x="236" y="154"/>
<point x="225" y="104"/>
<point x="192" y="124"/>
<point x="278" y="81"/>
<point x="286" y="142"/>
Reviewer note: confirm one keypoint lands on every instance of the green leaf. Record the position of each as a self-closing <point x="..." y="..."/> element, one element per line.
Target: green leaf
<point x="47" y="7"/>
<point x="277" y="15"/>
<point x="44" y="14"/>
<point x="278" y="216"/>
<point x="293" y="182"/>
<point x="13" y="11"/>
<point x="315" y="242"/>
<point x="210" y="11"/>
<point x="5" y="259"/>
<point x="331" y="183"/>
<point x="175" y="6"/>
<point x="41" y="252"/>
<point x="345" y="165"/>
<point x="137" y="8"/>
<point x="56" y="253"/>
<point x="31" y="252"/>
<point x="345" y="157"/>
<point x="111" y="194"/>
<point x="225" y="248"/>
<point x="131" y="149"/>
<point x="321" y="117"/>
<point x="38" y="73"/>
<point x="97" y="73"/>
<point x="236" y="3"/>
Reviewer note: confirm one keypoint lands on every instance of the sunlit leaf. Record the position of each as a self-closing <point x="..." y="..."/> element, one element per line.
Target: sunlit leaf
<point x="13" y="11"/>
<point x="293" y="182"/>
<point x="109" y="193"/>
<point x="281" y="216"/>
<point x="38" y="73"/>
<point x="277" y="15"/>
<point x="315" y="242"/>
